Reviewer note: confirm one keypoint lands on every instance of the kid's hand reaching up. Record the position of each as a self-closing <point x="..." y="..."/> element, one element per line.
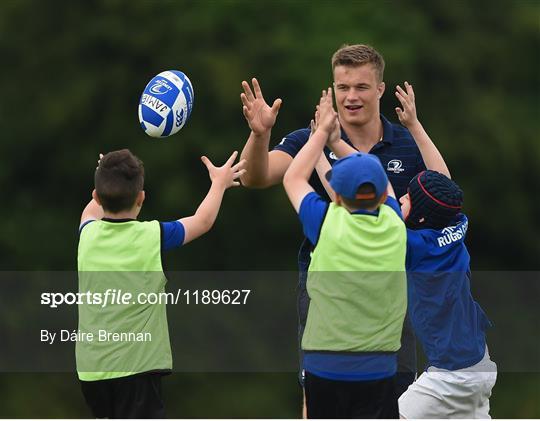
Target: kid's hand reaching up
<point x="226" y="175"/>
<point x="407" y="115"/>
<point x="326" y="117"/>
<point x="334" y="137"/>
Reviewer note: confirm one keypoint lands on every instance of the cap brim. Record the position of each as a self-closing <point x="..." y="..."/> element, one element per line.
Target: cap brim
<point x="328" y="175"/>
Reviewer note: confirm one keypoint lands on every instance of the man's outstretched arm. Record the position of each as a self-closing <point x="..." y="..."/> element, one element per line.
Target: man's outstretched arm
<point x="263" y="168"/>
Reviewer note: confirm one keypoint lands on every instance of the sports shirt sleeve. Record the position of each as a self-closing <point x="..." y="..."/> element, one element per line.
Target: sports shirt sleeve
<point x="312" y="212"/>
<point x="393" y="203"/>
<point x="172" y="235"/>
<point x="416" y="246"/>
<point x="293" y="142"/>
<point x="85" y="223"/>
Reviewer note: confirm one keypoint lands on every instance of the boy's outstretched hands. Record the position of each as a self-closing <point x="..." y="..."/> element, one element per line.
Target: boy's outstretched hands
<point x="222" y="178"/>
<point x="227" y="174"/>
<point x="407" y="115"/>
<point x="326" y="116"/>
<point x="259" y="115"/>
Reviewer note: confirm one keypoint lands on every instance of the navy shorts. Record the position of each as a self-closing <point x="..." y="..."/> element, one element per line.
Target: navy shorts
<point x="137" y="396"/>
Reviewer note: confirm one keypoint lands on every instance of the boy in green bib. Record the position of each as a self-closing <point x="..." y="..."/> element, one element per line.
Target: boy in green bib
<point x="356" y="280"/>
<point x="126" y="346"/>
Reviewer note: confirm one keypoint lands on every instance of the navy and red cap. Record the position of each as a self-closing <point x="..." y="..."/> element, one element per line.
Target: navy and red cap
<point x="435" y="201"/>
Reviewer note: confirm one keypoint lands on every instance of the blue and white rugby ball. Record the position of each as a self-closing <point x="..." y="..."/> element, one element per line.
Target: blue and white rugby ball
<point x="166" y="104"/>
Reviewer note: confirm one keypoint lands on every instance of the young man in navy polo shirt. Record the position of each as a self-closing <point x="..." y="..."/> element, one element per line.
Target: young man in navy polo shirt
<point x="358" y="82"/>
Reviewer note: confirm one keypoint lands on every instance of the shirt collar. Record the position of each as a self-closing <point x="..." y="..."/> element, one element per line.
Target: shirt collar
<point x="388" y="131"/>
<point x="366" y="212"/>
<point x="117" y="220"/>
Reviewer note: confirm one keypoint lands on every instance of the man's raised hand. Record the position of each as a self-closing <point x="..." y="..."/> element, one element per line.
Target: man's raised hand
<point x="259" y="115"/>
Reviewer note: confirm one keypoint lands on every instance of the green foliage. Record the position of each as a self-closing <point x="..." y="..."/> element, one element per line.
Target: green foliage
<point x="72" y="74"/>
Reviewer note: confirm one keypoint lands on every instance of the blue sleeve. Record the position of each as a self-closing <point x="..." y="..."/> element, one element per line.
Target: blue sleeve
<point x="312" y="212"/>
<point x="85" y="223"/>
<point x="416" y="246"/>
<point x="172" y="235"/>
<point x="293" y="142"/>
<point x="393" y="203"/>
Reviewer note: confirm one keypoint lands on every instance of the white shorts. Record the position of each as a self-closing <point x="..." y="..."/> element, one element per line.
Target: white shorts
<point x="439" y="393"/>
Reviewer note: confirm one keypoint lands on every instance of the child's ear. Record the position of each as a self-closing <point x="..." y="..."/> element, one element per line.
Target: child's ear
<point x="140" y="198"/>
<point x="383" y="198"/>
<point x="96" y="197"/>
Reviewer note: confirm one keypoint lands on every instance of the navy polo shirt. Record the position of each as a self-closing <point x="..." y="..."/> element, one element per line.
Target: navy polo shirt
<point x="397" y="151"/>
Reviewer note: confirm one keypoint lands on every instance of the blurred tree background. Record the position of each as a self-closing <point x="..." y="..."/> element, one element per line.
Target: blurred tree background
<point x="72" y="74"/>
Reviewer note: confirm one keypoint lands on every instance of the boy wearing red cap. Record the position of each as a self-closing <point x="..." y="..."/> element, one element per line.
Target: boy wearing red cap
<point x="449" y="323"/>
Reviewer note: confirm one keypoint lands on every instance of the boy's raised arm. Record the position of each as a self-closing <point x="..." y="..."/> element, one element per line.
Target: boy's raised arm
<point x="296" y="179"/>
<point x="407" y="116"/>
<point x="222" y="178"/>
<point x="323" y="166"/>
<point x="341" y="148"/>
<point x="337" y="145"/>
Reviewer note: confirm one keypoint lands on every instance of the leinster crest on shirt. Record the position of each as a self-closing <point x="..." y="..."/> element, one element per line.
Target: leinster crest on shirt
<point x="395" y="166"/>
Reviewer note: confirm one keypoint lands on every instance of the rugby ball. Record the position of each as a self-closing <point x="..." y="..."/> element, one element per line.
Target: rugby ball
<point x="166" y="104"/>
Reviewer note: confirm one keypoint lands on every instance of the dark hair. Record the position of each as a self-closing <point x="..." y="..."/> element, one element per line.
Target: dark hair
<point x="366" y="189"/>
<point x="358" y="55"/>
<point x="118" y="179"/>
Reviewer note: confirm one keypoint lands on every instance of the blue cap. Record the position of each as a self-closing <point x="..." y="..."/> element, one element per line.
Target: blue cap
<point x="350" y="172"/>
